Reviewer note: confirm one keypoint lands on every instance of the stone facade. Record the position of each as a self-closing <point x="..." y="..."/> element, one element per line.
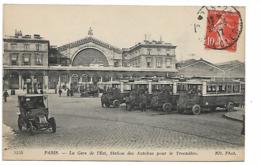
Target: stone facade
<point x="27" y="50"/>
<point x="151" y="54"/>
<point x="111" y="54"/>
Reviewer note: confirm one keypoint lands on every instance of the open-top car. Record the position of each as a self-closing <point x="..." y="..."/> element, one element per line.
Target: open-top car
<point x="33" y="114"/>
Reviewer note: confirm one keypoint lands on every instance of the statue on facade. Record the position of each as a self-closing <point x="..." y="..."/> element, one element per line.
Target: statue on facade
<point x="90" y="32"/>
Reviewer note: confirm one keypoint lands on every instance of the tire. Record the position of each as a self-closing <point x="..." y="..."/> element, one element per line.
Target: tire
<point x="52" y="123"/>
<point x="116" y="103"/>
<point x="167" y="107"/>
<point x="230" y="106"/>
<point x="196" y="109"/>
<point x="20" y="123"/>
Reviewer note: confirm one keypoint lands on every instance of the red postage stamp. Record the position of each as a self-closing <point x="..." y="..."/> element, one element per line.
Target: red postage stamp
<point x="223" y="30"/>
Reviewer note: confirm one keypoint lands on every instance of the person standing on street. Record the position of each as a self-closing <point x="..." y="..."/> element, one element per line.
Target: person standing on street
<point x="5" y="94"/>
<point x="68" y="92"/>
<point x="60" y="91"/>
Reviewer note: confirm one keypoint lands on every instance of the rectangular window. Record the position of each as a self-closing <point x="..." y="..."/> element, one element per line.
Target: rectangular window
<point x="149" y="51"/>
<point x="236" y="88"/>
<point x="14" y="59"/>
<point x="5" y="46"/>
<point x="168" y="62"/>
<point x="148" y="62"/>
<point x="159" y="62"/>
<point x="38" y="47"/>
<point x="26" y="46"/>
<point x="38" y="59"/>
<point x="26" y="59"/>
<point x="64" y="78"/>
<point x="13" y="46"/>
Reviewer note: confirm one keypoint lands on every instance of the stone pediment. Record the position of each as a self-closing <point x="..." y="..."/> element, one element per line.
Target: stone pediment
<point x="86" y="40"/>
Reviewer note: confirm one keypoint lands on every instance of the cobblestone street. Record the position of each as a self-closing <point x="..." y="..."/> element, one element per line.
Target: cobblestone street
<point x="82" y="122"/>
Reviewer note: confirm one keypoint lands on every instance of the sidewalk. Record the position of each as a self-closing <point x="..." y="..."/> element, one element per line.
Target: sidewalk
<point x="8" y="136"/>
<point x="235" y="115"/>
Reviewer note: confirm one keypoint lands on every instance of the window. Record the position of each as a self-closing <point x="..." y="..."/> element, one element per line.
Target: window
<point x="13" y="46"/>
<point x="38" y="59"/>
<point x="236" y="88"/>
<point x="149" y="51"/>
<point x="221" y="88"/>
<point x="14" y="59"/>
<point x="168" y="62"/>
<point x="26" y="59"/>
<point x="159" y="62"/>
<point x="211" y="89"/>
<point x="26" y="46"/>
<point x="5" y="46"/>
<point x="84" y="78"/>
<point x="148" y="62"/>
<point x="116" y="64"/>
<point x="38" y="47"/>
<point x="64" y="78"/>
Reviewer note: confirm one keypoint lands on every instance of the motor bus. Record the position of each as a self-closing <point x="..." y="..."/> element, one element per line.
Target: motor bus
<point x="197" y="96"/>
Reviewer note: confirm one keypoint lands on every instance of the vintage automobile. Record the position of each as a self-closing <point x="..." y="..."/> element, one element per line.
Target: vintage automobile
<point x="33" y="115"/>
<point x="113" y="97"/>
<point x="87" y="90"/>
<point x="198" y="96"/>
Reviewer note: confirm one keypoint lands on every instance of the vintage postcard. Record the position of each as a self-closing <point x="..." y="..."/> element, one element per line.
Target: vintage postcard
<point x="133" y="83"/>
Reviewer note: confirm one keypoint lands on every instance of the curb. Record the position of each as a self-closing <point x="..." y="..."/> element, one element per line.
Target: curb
<point x="231" y="118"/>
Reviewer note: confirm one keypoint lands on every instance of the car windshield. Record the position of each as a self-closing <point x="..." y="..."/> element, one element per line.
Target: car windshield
<point x="32" y="102"/>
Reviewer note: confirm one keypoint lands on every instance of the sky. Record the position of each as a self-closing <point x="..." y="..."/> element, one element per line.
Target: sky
<point x="120" y="26"/>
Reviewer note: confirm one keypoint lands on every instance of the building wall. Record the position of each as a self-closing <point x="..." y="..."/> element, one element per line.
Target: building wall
<point x="17" y="48"/>
<point x="142" y="56"/>
<point x="110" y="54"/>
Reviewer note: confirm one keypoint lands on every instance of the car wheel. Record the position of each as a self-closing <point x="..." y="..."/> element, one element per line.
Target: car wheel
<point x="52" y="124"/>
<point x="196" y="109"/>
<point x="167" y="107"/>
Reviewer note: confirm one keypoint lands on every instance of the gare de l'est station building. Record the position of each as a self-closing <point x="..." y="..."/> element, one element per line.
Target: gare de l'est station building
<point x="30" y="62"/>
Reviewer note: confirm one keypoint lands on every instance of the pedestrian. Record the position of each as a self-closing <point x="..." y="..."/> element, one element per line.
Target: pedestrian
<point x="60" y="91"/>
<point x="68" y="92"/>
<point x="5" y="94"/>
<point x="71" y="92"/>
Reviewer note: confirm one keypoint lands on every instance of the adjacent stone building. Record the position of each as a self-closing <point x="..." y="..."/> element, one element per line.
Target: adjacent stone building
<point x="151" y="54"/>
<point x="24" y="51"/>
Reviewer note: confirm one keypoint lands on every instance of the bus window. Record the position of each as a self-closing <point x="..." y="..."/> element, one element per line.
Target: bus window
<point x="242" y="88"/>
<point x="182" y="87"/>
<point x="221" y="88"/>
<point x="211" y="88"/>
<point x="236" y="88"/>
<point x="229" y="88"/>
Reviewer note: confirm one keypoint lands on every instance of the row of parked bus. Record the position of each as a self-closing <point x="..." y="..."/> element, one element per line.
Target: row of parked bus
<point x="192" y="96"/>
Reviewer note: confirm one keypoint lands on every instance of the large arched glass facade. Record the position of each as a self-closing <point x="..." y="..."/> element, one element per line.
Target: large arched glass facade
<point x="90" y="57"/>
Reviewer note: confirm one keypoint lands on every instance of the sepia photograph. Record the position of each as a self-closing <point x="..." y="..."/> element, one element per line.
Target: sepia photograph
<point x="122" y="82"/>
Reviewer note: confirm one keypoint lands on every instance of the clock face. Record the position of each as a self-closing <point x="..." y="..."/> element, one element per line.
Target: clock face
<point x="218" y="27"/>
